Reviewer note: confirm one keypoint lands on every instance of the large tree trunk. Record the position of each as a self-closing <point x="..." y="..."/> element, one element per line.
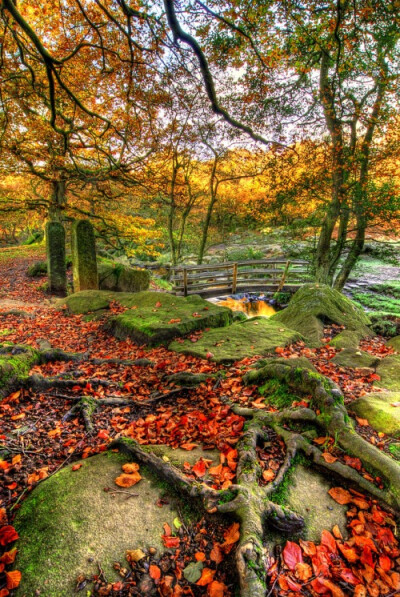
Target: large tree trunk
<point x="57" y="201"/>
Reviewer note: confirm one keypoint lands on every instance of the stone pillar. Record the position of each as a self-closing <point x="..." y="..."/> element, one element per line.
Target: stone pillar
<point x="84" y="262"/>
<point x="55" y="249"/>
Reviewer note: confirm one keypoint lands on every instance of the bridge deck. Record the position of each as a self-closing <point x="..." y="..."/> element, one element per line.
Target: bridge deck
<point x="259" y="275"/>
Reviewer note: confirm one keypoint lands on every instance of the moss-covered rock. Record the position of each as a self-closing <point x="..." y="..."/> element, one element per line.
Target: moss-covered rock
<point x="347" y="339"/>
<point x="257" y="375"/>
<point x="37" y="269"/>
<point x="157" y="317"/>
<point x="117" y="277"/>
<point x="394" y="343"/>
<point x="256" y="336"/>
<point x="55" y="251"/>
<point x="84" y="263"/>
<point x="69" y="523"/>
<point x="378" y="409"/>
<point x="15" y="363"/>
<point x="389" y="372"/>
<point x="86" y="301"/>
<point x="187" y="379"/>
<point x="315" y="305"/>
<point x="356" y="359"/>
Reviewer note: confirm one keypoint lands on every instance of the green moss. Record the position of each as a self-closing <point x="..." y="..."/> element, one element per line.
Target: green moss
<point x="15" y="363"/>
<point x="351" y="357"/>
<point x="347" y="339"/>
<point x="256" y="336"/>
<point x="55" y="250"/>
<point x="280" y="495"/>
<point x="84" y="256"/>
<point x="378" y="410"/>
<point x="119" y="278"/>
<point x="156" y="318"/>
<point x="394" y="449"/>
<point x="315" y="305"/>
<point x="277" y="394"/>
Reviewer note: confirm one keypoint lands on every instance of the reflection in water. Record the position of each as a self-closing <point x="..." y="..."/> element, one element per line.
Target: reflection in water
<point x="251" y="308"/>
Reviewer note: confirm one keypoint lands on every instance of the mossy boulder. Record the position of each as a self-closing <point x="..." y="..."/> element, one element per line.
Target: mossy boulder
<point x="356" y="359"/>
<point x="117" y="277"/>
<point x="69" y="523"/>
<point x="157" y="317"/>
<point x="378" y="409"/>
<point x="84" y="261"/>
<point x="389" y="372"/>
<point x="256" y="336"/>
<point x="347" y="339"/>
<point x="308" y="495"/>
<point x="15" y="363"/>
<point x="88" y="301"/>
<point x="316" y="305"/>
<point x="394" y="343"/>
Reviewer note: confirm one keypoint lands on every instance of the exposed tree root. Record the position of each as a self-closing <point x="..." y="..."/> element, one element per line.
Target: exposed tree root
<point x="86" y="406"/>
<point x="39" y="383"/>
<point x="249" y="502"/>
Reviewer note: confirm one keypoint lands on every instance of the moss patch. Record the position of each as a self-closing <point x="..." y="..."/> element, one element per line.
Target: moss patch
<point x="117" y="277"/>
<point x="394" y="343"/>
<point x="378" y="302"/>
<point x="256" y="336"/>
<point x="351" y="357"/>
<point x="378" y="410"/>
<point x="156" y="317"/>
<point x="69" y="518"/>
<point x="314" y="305"/>
<point x="389" y="372"/>
<point x="15" y="363"/>
<point x="347" y="339"/>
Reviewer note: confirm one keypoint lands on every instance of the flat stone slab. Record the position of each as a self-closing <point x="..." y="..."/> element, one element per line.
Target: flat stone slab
<point x="256" y="336"/>
<point x="69" y="518"/>
<point x="356" y="359"/>
<point x="378" y="410"/>
<point x="87" y="301"/>
<point x="389" y="372"/>
<point x="157" y="317"/>
<point x="308" y="496"/>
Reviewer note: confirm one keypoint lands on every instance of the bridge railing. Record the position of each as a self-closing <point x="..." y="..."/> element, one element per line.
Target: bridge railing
<point x="233" y="277"/>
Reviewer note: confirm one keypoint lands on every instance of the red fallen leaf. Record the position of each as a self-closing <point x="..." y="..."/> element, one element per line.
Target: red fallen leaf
<point x="292" y="555"/>
<point x="384" y="562"/>
<point x="386" y="537"/>
<point x="209" y="355"/>
<point x="167" y="529"/>
<point x="340" y="495"/>
<point x="103" y="434"/>
<point x="200" y="556"/>
<point x="12" y="485"/>
<point x="207" y="576"/>
<point x="308" y="547"/>
<point x="157" y="305"/>
<point x="374" y="377"/>
<point x="188" y="447"/>
<point x="13" y="579"/>
<point x="217" y="589"/>
<point x="362" y="422"/>
<point x="279" y="350"/>
<point x="303" y="571"/>
<point x="348" y="552"/>
<point x="76" y="467"/>
<point x="231" y="535"/>
<point x="334" y="589"/>
<point x="9" y="556"/>
<point x="328" y="540"/>
<point x="292" y="585"/>
<point x="155" y="572"/>
<point x="347" y="575"/>
<point x="8" y="534"/>
<point x="353" y="462"/>
<point x="171" y="542"/>
<point x="4" y="592"/>
<point x="200" y="468"/>
<point x="360" y="591"/>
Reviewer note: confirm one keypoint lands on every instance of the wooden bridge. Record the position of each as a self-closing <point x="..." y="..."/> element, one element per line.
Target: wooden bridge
<point x="233" y="277"/>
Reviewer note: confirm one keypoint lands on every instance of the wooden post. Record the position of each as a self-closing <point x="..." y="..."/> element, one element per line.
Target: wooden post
<point x="234" y="278"/>
<point x="185" y="282"/>
<point x="285" y="271"/>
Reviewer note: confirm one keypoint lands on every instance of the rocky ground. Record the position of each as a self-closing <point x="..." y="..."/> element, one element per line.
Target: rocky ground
<point x="223" y="458"/>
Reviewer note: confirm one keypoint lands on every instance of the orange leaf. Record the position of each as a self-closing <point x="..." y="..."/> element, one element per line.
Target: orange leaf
<point x="199" y="469"/>
<point x="155" y="572"/>
<point x="216" y="554"/>
<point x="340" y="495"/>
<point x="206" y="578"/>
<point x="327" y="456"/>
<point x="8" y="534"/>
<point x="13" y="579"/>
<point x="303" y="571"/>
<point x="130" y="467"/>
<point x="268" y="475"/>
<point x="17" y="458"/>
<point x="103" y="434"/>
<point x="232" y="534"/>
<point x="9" y="556"/>
<point x="127" y="480"/>
<point x="200" y="556"/>
<point x="76" y="467"/>
<point x="217" y="589"/>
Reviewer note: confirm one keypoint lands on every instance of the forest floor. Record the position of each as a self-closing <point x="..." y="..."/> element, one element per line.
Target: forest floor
<point x="37" y="442"/>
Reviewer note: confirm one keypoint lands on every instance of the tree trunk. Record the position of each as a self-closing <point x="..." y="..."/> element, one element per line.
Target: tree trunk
<point x="57" y="201"/>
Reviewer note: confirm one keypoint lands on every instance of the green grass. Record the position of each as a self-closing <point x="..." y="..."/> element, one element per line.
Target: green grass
<point x="378" y="302"/>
